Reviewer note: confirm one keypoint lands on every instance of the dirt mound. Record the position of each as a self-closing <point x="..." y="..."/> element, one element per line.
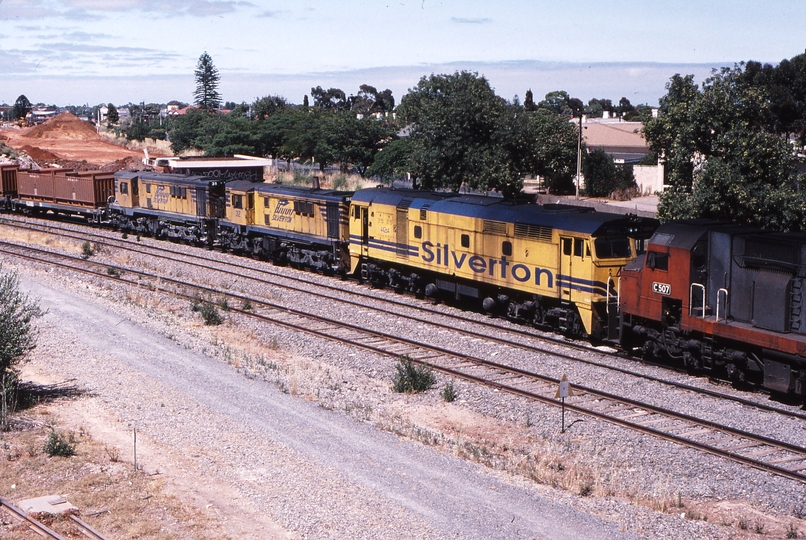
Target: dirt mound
<point x="63" y="126"/>
<point x="37" y="154"/>
<point x="130" y="163"/>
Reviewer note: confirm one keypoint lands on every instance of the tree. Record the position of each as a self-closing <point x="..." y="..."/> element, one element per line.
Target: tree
<point x="369" y="100"/>
<point x="392" y="161"/>
<point x="112" y="115"/>
<point x="557" y="102"/>
<point x="21" y="108"/>
<point x="543" y="144"/>
<point x="267" y="106"/>
<point x="456" y="128"/>
<point x="348" y="140"/>
<point x="529" y="102"/>
<point x="603" y="176"/>
<point x="17" y="338"/>
<point x="723" y="156"/>
<point x="597" y="107"/>
<point x="206" y="95"/>
<point x="332" y="99"/>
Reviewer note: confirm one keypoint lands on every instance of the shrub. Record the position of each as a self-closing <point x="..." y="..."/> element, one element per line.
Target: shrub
<point x="210" y="314"/>
<point x="58" y="445"/>
<point x="87" y="251"/>
<point x="449" y="393"/>
<point x="410" y="378"/>
<point x="114" y="272"/>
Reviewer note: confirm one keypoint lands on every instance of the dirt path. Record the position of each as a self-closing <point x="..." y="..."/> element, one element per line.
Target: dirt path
<point x="268" y="462"/>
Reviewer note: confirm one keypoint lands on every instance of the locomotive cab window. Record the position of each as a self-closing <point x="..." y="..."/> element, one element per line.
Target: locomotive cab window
<point x="124" y="188"/>
<point x="237" y="201"/>
<point x="418" y="232"/>
<point x="657" y="261"/>
<point x="148" y="188"/>
<point x="579" y="246"/>
<point x="699" y="257"/>
<point x="612" y="248"/>
<point x="465" y="240"/>
<point x="506" y="248"/>
<point x="567" y="246"/>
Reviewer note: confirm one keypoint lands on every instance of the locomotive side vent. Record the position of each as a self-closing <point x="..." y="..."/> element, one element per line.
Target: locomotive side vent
<point x="402" y="247"/>
<point x="495" y="227"/>
<point x="533" y="232"/>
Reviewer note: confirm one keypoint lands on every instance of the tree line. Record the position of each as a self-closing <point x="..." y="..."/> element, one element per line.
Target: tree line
<point x="734" y="147"/>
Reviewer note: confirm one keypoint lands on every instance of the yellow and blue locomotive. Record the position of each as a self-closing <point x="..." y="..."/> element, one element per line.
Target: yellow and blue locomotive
<point x="173" y="206"/>
<point x="300" y="226"/>
<point x="550" y="265"/>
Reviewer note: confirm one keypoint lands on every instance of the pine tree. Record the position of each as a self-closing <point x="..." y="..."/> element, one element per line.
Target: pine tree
<point x="112" y="115"/>
<point x="206" y="95"/>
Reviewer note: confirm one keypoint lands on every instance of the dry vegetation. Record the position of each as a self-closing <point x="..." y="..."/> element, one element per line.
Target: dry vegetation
<point x="113" y="497"/>
<point x="125" y="503"/>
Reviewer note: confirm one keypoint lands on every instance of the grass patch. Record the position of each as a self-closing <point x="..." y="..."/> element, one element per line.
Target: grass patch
<point x="410" y="378"/>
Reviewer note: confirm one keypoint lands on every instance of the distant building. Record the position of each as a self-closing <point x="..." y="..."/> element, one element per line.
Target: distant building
<point x="237" y="167"/>
<point x="625" y="142"/>
<point x="37" y="116"/>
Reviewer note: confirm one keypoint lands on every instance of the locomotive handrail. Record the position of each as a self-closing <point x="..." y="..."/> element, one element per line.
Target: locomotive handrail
<point x="718" y="293"/>
<point x="691" y="299"/>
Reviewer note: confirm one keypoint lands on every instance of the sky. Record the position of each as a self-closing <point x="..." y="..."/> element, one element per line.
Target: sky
<point x="98" y="51"/>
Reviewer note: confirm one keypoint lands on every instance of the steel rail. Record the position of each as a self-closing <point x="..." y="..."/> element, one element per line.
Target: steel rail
<point x="111" y="242"/>
<point x="36" y="526"/>
<point x="424" y="354"/>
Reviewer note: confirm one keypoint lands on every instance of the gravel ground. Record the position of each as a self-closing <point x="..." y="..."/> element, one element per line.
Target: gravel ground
<point x="291" y="423"/>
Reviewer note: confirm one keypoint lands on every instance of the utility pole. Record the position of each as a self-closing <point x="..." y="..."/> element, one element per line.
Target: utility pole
<point x="579" y="152"/>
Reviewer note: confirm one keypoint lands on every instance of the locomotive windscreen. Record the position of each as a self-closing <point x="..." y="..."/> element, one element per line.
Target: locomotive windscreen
<point x="614" y="247"/>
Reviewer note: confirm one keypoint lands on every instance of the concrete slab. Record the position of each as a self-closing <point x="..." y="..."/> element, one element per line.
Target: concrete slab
<point x="49" y="504"/>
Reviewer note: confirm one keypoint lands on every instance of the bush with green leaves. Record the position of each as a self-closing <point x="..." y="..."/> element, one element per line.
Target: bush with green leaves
<point x="411" y="378"/>
<point x="210" y="314"/>
<point x="449" y="393"/>
<point x="59" y="445"/>
<point x="17" y="338"/>
<point x="87" y="250"/>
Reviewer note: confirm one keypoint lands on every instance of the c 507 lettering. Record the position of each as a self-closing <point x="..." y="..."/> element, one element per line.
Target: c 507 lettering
<point x="661" y="288"/>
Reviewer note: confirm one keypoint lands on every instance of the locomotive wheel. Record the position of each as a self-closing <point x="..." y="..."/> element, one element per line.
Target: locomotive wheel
<point x="691" y="362"/>
<point x="649" y="350"/>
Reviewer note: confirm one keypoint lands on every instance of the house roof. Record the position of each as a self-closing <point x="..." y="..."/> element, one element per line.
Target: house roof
<point x="609" y="134"/>
<point x="622" y="140"/>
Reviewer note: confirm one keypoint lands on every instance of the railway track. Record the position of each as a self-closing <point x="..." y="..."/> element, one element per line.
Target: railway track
<point x="764" y="453"/>
<point x="494" y="332"/>
<point x="45" y="531"/>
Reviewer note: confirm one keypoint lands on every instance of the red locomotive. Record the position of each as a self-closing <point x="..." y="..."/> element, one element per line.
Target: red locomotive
<point x="722" y="298"/>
